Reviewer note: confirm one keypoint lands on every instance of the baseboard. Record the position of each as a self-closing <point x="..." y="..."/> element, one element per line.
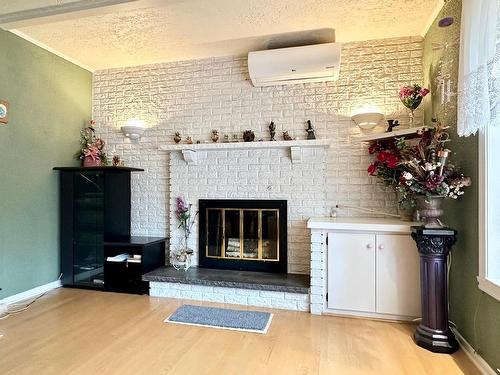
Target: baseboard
<point x="30" y="293"/>
<point x="478" y="361"/>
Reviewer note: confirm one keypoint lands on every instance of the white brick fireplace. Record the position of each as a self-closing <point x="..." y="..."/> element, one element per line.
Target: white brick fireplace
<point x="194" y="97"/>
<point x="256" y="174"/>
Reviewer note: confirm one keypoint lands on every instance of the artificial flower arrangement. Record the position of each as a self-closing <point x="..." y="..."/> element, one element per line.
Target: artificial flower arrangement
<point x="182" y="257"/>
<point x="420" y="169"/>
<point x="411" y="97"/>
<point x="91" y="147"/>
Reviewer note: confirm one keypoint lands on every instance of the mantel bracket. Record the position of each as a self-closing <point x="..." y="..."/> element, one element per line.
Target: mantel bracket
<point x="190" y="156"/>
<point x="296" y="154"/>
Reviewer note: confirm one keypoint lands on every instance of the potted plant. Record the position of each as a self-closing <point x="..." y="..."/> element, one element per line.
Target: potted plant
<point x="419" y="172"/>
<point x="91" y="147"/>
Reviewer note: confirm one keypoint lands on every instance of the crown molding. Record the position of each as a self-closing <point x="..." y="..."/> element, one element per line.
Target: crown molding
<point x="28" y="17"/>
<point x="432" y="17"/>
<point x="51" y="50"/>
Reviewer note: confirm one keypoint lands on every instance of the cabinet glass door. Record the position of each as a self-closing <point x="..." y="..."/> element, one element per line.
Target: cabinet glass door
<point x="88" y="226"/>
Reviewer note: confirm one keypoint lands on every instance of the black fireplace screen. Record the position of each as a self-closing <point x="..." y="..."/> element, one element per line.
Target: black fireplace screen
<point x="243" y="234"/>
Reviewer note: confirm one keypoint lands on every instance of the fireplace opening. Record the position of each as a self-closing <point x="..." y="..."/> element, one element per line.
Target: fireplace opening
<point x="243" y="234"/>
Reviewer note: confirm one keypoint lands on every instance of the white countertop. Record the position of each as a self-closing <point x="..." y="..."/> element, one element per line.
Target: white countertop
<point x="361" y="224"/>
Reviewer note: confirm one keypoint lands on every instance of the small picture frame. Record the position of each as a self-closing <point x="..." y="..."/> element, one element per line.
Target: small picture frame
<point x="4" y="111"/>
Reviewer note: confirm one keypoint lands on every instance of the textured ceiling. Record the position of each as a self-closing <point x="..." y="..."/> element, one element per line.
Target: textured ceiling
<point x="187" y="29"/>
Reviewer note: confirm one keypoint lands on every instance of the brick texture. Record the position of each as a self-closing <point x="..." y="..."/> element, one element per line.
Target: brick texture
<point x="234" y="296"/>
<point x="196" y="96"/>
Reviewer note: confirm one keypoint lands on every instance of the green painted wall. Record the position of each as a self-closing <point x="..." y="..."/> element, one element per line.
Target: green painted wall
<point x="476" y="314"/>
<point x="50" y="100"/>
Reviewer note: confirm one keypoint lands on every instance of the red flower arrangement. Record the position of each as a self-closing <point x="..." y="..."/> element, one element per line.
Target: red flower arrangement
<point x="417" y="169"/>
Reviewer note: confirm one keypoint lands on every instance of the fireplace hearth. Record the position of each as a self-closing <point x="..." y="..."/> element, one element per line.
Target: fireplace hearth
<point x="243" y="234"/>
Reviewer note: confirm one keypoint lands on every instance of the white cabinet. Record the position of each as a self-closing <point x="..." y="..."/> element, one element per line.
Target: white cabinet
<point x="397" y="275"/>
<point x="351" y="271"/>
<point x="373" y="273"/>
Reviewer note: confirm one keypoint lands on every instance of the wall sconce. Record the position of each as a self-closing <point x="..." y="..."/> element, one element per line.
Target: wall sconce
<point x="367" y="118"/>
<point x="133" y="129"/>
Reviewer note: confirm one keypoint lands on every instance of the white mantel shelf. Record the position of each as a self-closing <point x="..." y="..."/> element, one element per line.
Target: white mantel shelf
<point x="364" y="224"/>
<point x="189" y="151"/>
<point x="405" y="133"/>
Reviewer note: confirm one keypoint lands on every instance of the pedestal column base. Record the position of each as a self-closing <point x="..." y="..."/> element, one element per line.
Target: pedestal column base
<point x="436" y="341"/>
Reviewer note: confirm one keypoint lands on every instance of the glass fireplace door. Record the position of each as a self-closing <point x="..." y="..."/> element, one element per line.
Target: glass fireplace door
<point x="242" y="234"/>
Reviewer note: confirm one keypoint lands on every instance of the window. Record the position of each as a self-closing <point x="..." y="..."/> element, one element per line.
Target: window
<point x="489" y="211"/>
<point x="479" y="109"/>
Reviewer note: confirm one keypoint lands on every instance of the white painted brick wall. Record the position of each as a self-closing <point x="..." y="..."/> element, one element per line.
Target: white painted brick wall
<point x="235" y="296"/>
<point x="196" y="96"/>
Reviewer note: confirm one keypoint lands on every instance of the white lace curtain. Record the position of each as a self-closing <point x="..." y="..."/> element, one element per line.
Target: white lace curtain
<point x="479" y="70"/>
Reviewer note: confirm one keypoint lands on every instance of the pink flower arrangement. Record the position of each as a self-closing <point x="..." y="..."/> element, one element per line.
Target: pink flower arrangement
<point x="91" y="147"/>
<point x="412" y="96"/>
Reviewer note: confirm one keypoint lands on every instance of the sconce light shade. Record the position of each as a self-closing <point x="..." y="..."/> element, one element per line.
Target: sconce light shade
<point x="133" y="129"/>
<point x="367" y="120"/>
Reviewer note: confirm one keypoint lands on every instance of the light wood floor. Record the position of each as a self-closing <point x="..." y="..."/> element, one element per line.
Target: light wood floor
<point x="72" y="331"/>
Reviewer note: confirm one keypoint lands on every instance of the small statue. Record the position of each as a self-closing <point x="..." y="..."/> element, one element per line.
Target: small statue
<point x="226" y="138"/>
<point x="310" y="130"/>
<point x="248" y="136"/>
<point x="177" y="137"/>
<point x="287" y="137"/>
<point x="117" y="162"/>
<point x="392" y="125"/>
<point x="272" y="130"/>
<point x="235" y="138"/>
<point x="215" y="135"/>
<point x="198" y="142"/>
<point x="189" y="140"/>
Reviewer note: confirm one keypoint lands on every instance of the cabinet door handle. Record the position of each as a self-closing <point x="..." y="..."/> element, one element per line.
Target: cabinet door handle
<point x="381" y="247"/>
<point x="369" y="246"/>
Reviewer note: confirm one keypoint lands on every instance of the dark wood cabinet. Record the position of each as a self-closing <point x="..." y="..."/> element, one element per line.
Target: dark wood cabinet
<point x="95" y="211"/>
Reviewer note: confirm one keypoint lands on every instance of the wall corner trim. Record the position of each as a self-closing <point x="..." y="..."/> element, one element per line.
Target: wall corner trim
<point x="50" y="49"/>
<point x="476" y="359"/>
<point x="432" y="17"/>
<point x="31" y="293"/>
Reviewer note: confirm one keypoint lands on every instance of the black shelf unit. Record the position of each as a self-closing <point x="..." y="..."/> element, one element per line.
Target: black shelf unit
<point x="126" y="276"/>
<point x="95" y="210"/>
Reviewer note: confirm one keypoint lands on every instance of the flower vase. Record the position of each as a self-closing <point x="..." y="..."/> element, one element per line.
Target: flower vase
<point x="411" y="114"/>
<point x="180" y="258"/>
<point x="430" y="211"/>
<point x="89" y="161"/>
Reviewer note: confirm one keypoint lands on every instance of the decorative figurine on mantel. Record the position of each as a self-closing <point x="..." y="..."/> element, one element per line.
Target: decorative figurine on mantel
<point x="235" y="138"/>
<point x="287" y="136"/>
<point x="392" y="125"/>
<point x="248" y="136"/>
<point x="310" y="130"/>
<point x="215" y="135"/>
<point x="177" y="137"/>
<point x="272" y="130"/>
<point x="189" y="140"/>
<point x="226" y="138"/>
<point x="117" y="162"/>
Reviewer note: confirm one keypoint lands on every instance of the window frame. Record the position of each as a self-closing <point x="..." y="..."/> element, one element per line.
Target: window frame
<point x="488" y="285"/>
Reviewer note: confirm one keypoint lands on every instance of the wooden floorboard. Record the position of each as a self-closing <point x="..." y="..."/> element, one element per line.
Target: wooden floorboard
<point x="71" y="331"/>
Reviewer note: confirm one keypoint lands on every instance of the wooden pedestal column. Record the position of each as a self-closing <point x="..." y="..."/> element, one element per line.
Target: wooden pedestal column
<point x="433" y="245"/>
